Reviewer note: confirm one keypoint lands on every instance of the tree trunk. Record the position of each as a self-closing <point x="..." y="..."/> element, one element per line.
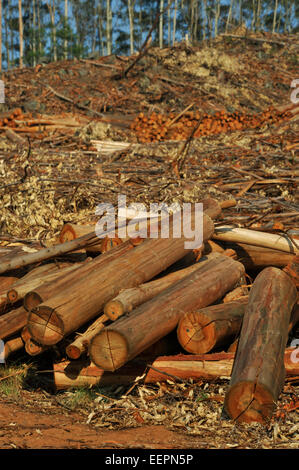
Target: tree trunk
<point x="128" y="299"/>
<point x="21" y="44"/>
<point x="0" y="36"/>
<point x="174" y="21"/>
<point x="81" y="343"/>
<point x="109" y="27"/>
<point x="258" y="374"/>
<point x="12" y="345"/>
<point x="70" y="309"/>
<point x="216" y="326"/>
<point x="116" y="345"/>
<point x="131" y="23"/>
<point x="6" y="282"/>
<point x="50" y="289"/>
<point x="292" y="269"/>
<point x="274" y="16"/>
<point x="66" y="23"/>
<point x="161" y="24"/>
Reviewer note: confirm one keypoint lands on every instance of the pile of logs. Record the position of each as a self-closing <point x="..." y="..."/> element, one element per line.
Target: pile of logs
<point x="158" y="127"/>
<point x="117" y="309"/>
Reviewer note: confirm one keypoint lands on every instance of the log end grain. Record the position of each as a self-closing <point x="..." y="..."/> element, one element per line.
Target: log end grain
<point x="33" y="348"/>
<point x="248" y="402"/>
<point x="108" y="350"/>
<point x="12" y="295"/>
<point x="114" y="309"/>
<point x="32" y="300"/>
<point x="73" y="351"/>
<point x="196" y="334"/>
<point x="45" y="325"/>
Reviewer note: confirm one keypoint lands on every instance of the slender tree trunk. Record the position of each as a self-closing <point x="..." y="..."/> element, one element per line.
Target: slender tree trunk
<point x="6" y="37"/>
<point x="109" y="27"/>
<point x="161" y="24"/>
<point x="205" y="19"/>
<point x="274" y="16"/>
<point x="101" y="35"/>
<point x="66" y="23"/>
<point x="174" y="21"/>
<point x="21" y="49"/>
<point x="131" y="21"/>
<point x="229" y="16"/>
<point x="0" y="35"/>
<point x="34" y="31"/>
<point x="169" y="23"/>
<point x="217" y="15"/>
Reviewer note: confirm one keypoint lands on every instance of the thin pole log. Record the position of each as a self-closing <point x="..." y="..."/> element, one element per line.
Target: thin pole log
<point x="22" y="286"/>
<point x="254" y="237"/>
<point x="203" y="330"/>
<point x="129" y="299"/>
<point x="116" y="345"/>
<point x="67" y="311"/>
<point x="41" y="294"/>
<point x="81" y="343"/>
<point x="47" y="253"/>
<point x="258" y="373"/>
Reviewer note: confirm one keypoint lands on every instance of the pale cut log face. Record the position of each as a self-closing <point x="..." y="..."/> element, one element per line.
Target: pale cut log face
<point x="109" y="350"/>
<point x="249" y="402"/>
<point x="45" y="326"/>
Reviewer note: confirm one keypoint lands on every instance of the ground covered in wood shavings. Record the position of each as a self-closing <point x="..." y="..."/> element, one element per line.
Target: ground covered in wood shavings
<point x="168" y="415"/>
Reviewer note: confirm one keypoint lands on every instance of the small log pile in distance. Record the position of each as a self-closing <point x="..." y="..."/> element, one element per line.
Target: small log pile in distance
<point x="115" y="310"/>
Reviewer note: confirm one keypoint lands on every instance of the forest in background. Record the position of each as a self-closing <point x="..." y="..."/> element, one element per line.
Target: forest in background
<point x="37" y="31"/>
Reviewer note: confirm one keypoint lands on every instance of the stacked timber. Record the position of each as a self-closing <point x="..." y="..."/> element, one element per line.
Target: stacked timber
<point x="131" y="301"/>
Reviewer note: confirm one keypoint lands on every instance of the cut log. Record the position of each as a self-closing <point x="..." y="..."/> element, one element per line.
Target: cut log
<point x="292" y="269"/>
<point x="73" y="231"/>
<point x="49" y="322"/>
<point x="26" y="284"/>
<point x="6" y="282"/>
<point x="129" y="299"/>
<point x="12" y="345"/>
<point x="47" y="290"/>
<point x="116" y="344"/>
<point x="254" y="237"/>
<point x="12" y="322"/>
<point x="258" y="373"/>
<point x="82" y="373"/>
<point x="202" y="330"/>
<point x="258" y="257"/>
<point x="81" y="343"/>
<point x="47" y="253"/>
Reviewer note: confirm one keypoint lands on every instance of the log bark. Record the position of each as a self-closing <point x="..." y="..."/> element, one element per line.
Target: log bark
<point x="129" y="299"/>
<point x="12" y="322"/>
<point x="73" y="231"/>
<point x="292" y="269"/>
<point x="47" y="290"/>
<point x="82" y="373"/>
<point x="258" y="374"/>
<point x="26" y="284"/>
<point x="12" y="345"/>
<point x="254" y="237"/>
<point x="259" y="257"/>
<point x="202" y="330"/>
<point x="47" y="253"/>
<point x="116" y="345"/>
<point x="31" y="347"/>
<point x="67" y="311"/>
<point x="6" y="282"/>
<point x="81" y="343"/>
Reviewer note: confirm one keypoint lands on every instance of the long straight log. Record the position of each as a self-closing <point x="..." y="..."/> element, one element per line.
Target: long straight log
<point x="202" y="330"/>
<point x="47" y="290"/>
<point x="12" y="322"/>
<point x="254" y="237"/>
<point x="81" y="373"/>
<point x="47" y="253"/>
<point x="12" y="345"/>
<point x="128" y="299"/>
<point x="6" y="282"/>
<point x="22" y="286"/>
<point x="258" y="374"/>
<point x="116" y="345"/>
<point x="67" y="311"/>
<point x="259" y="257"/>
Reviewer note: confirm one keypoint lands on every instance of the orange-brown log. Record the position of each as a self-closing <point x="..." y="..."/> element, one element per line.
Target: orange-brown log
<point x="116" y="344"/>
<point x="47" y="290"/>
<point x="128" y="299"/>
<point x="81" y="343"/>
<point x="67" y="311"/>
<point x="6" y="282"/>
<point x="259" y="257"/>
<point x="258" y="374"/>
<point x="202" y="330"/>
<point x="27" y="284"/>
<point x="292" y="269"/>
<point x="12" y="345"/>
<point x="83" y="373"/>
<point x="12" y="322"/>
